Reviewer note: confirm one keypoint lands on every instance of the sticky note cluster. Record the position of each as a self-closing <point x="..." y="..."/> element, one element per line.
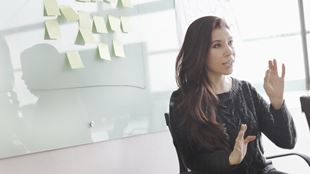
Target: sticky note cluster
<point x="88" y="26"/>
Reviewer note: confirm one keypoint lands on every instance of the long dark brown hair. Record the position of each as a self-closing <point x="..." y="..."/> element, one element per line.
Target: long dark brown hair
<point x="200" y="102"/>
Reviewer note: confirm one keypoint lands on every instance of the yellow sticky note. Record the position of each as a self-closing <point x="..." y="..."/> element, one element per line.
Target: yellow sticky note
<point x="104" y="51"/>
<point x="99" y="25"/>
<point x="126" y="3"/>
<point x="51" y="8"/>
<point x="69" y="13"/>
<point x="114" y="23"/>
<point x="118" y="49"/>
<point x="85" y="20"/>
<point x="75" y="60"/>
<point x="125" y="23"/>
<point x="84" y="36"/>
<point x="83" y="0"/>
<point x="52" y="30"/>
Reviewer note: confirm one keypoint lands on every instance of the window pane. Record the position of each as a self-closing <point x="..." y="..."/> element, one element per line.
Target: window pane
<point x="268" y="30"/>
<point x="306" y="4"/>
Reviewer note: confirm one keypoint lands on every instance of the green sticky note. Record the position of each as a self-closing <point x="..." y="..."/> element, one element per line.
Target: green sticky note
<point x="52" y="30"/>
<point x="118" y="49"/>
<point x="75" y="60"/>
<point x="84" y="37"/>
<point x="99" y="25"/>
<point x="85" y="20"/>
<point x="104" y="51"/>
<point x="126" y="3"/>
<point x="125" y="24"/>
<point x="51" y="8"/>
<point x="114" y="23"/>
<point x="69" y="14"/>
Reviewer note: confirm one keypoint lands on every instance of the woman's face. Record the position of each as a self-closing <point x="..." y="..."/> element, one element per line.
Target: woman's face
<point x="221" y="54"/>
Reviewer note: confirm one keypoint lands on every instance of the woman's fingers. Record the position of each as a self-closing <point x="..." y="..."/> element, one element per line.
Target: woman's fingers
<point x="243" y="128"/>
<point x="267" y="76"/>
<point x="241" y="133"/>
<point x="283" y="71"/>
<point x="275" y="66"/>
<point x="270" y="64"/>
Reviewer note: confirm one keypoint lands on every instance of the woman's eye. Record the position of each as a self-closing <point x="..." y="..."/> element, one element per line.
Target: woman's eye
<point x="216" y="45"/>
<point x="230" y="42"/>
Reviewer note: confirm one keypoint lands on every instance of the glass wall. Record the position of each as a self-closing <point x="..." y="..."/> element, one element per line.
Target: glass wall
<point x="306" y="5"/>
<point x="268" y="30"/>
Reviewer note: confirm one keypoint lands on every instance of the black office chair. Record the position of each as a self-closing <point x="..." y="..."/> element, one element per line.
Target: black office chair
<point x="182" y="166"/>
<point x="305" y="107"/>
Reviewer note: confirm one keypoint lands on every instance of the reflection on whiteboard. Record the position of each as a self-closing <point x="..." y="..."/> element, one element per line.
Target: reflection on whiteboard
<point x="6" y="71"/>
<point x="46" y="69"/>
<point x="45" y="104"/>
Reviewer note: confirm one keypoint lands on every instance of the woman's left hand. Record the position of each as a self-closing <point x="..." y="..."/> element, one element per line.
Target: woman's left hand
<point x="274" y="85"/>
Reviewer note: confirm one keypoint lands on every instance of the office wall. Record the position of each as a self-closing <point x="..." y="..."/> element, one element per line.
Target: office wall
<point x="144" y="154"/>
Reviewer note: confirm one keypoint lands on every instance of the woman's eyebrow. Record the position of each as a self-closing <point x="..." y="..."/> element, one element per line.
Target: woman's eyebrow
<point x="218" y="40"/>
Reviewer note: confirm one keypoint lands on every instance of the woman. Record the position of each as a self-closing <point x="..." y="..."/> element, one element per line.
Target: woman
<point x="217" y="119"/>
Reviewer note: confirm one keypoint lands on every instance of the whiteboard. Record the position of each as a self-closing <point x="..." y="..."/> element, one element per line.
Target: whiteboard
<point x="46" y="105"/>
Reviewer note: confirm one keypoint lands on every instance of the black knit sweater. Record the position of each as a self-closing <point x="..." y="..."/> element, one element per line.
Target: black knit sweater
<point x="241" y="105"/>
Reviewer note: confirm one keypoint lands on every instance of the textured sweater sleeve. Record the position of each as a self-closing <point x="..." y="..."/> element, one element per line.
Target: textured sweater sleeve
<point x="213" y="162"/>
<point x="196" y="158"/>
<point x="277" y="125"/>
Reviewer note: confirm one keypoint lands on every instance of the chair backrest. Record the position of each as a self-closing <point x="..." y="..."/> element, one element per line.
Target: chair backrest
<point x="182" y="166"/>
<point x="305" y="107"/>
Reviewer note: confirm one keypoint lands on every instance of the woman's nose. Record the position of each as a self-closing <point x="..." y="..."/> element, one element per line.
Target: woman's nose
<point x="229" y="50"/>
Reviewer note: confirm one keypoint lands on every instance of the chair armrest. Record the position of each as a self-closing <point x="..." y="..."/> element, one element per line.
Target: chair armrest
<point x="303" y="156"/>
